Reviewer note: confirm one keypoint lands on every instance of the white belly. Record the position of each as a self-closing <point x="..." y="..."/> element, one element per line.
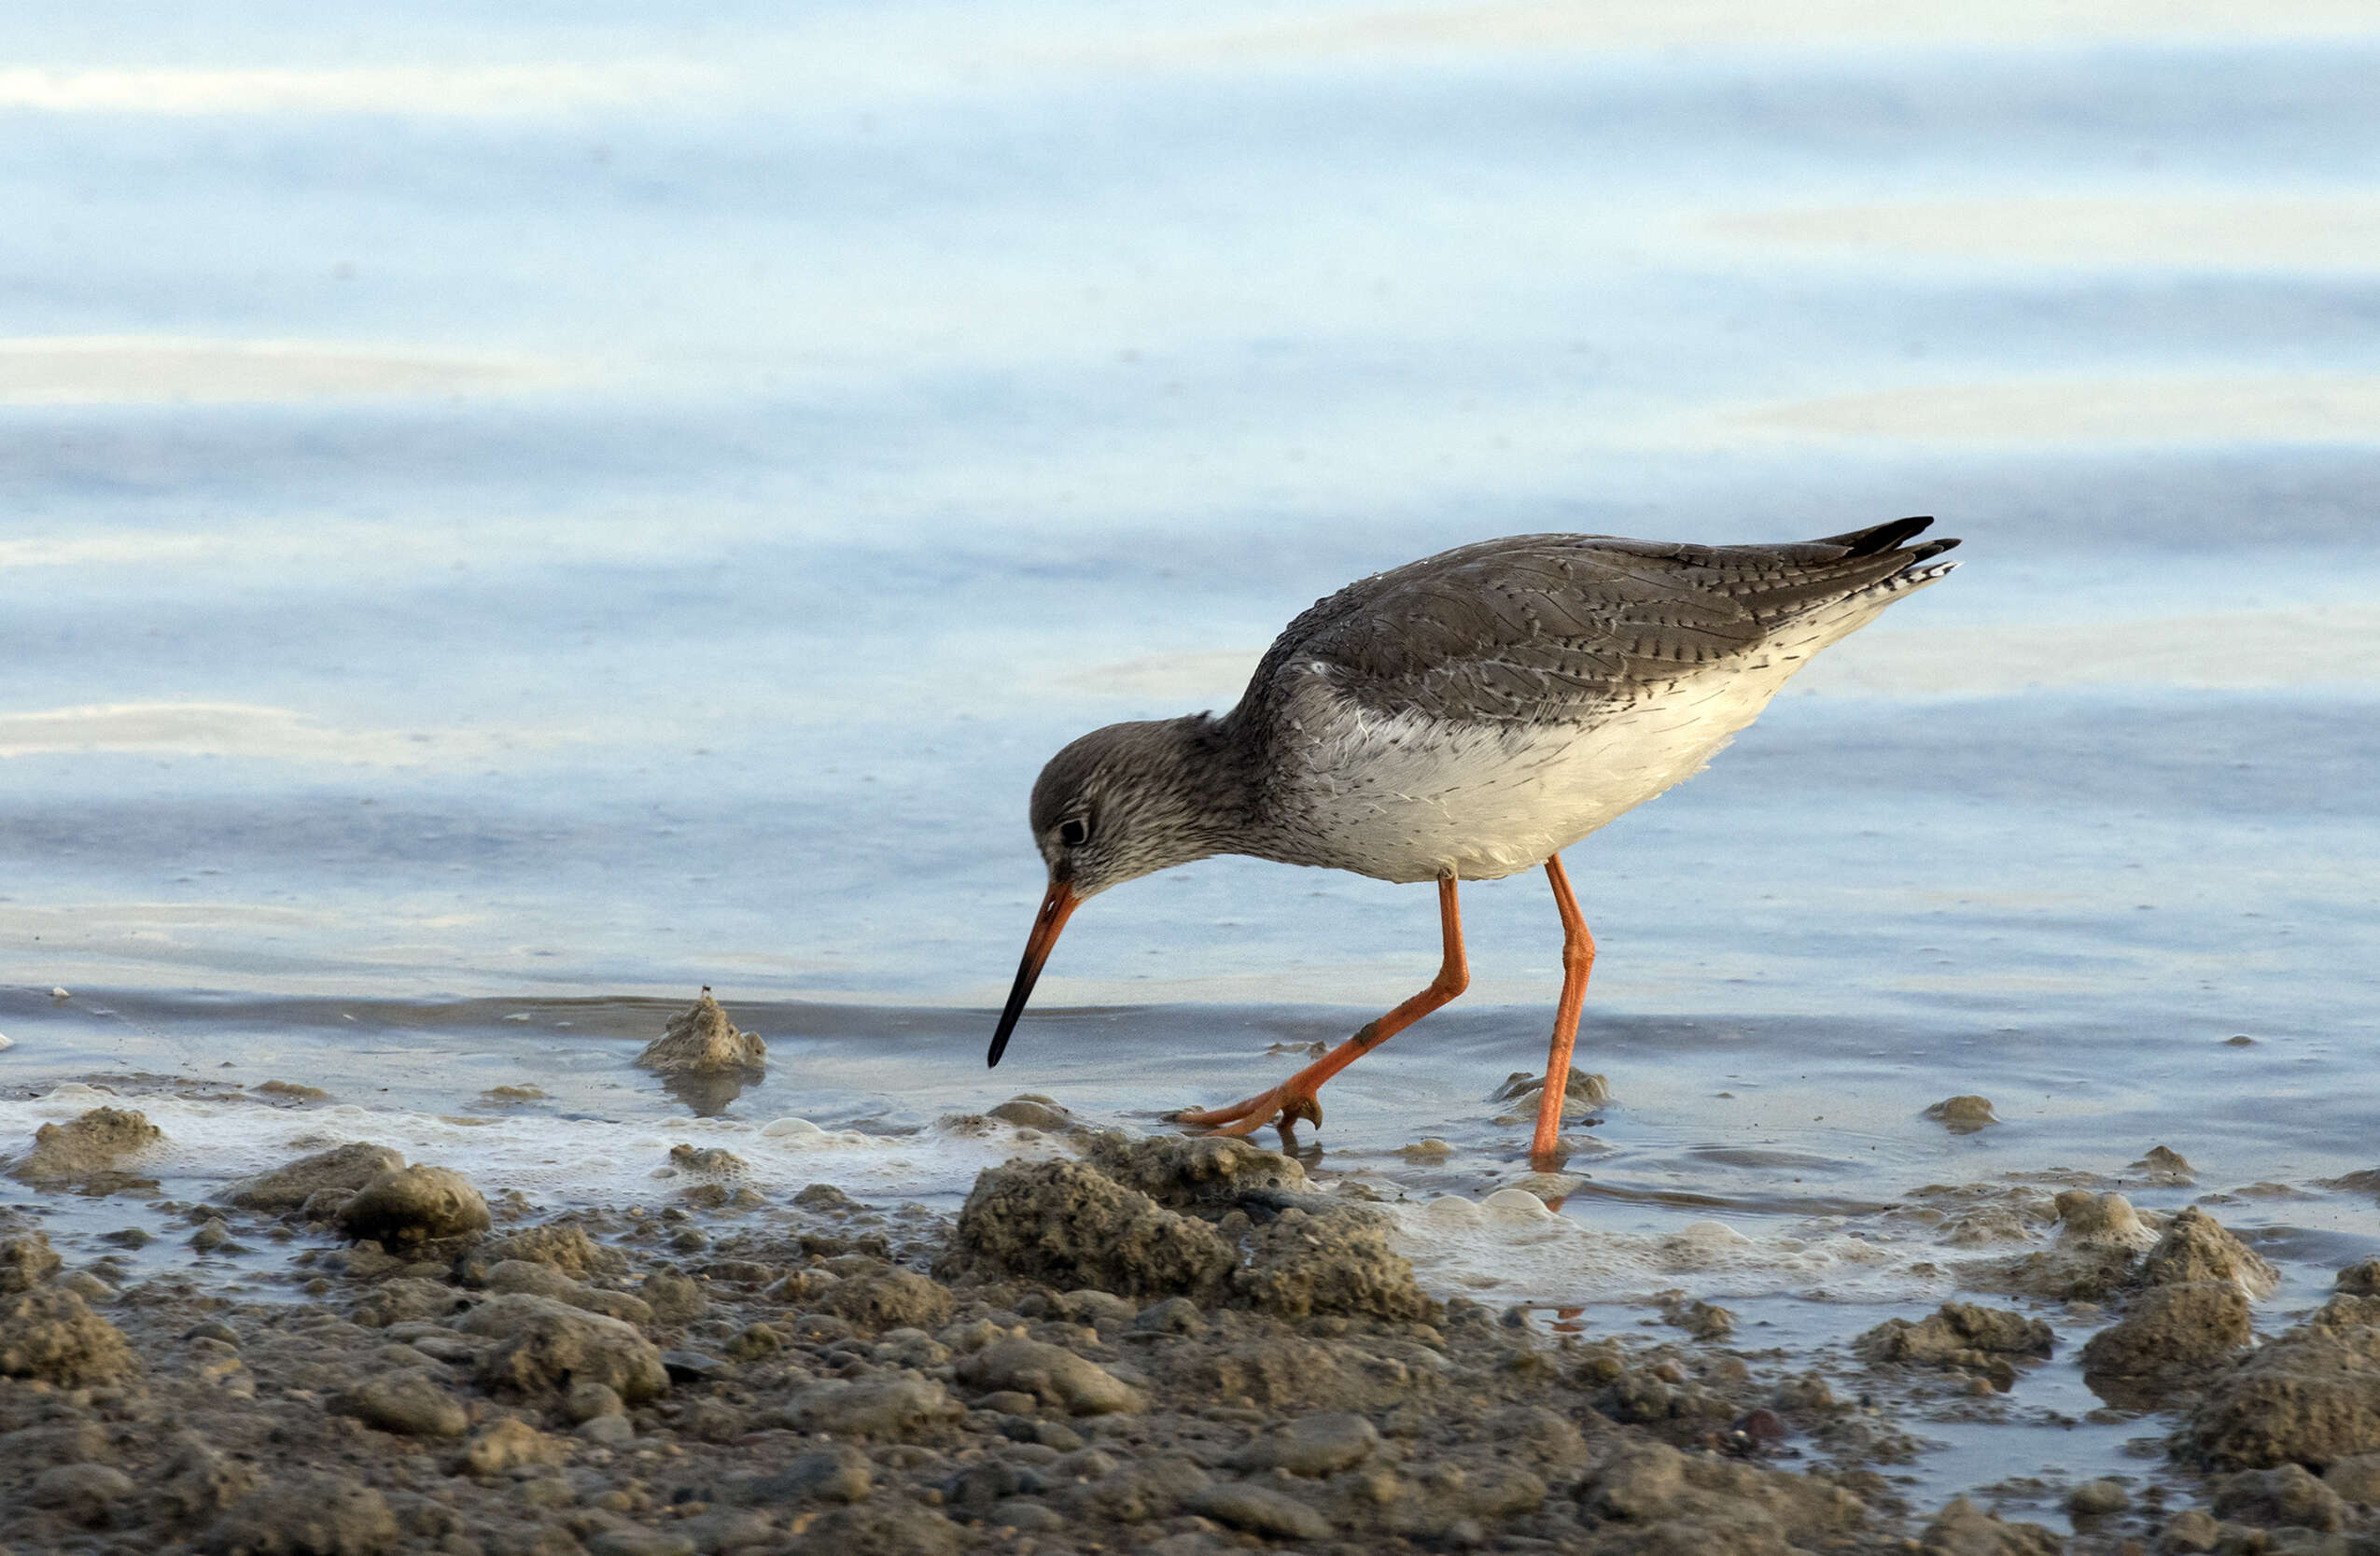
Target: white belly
<point x="1407" y="798"/>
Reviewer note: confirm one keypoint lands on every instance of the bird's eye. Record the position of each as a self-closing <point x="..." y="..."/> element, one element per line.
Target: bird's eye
<point x="1074" y="831"/>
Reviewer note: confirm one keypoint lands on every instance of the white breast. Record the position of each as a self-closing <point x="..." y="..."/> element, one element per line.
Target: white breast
<point x="1405" y="797"/>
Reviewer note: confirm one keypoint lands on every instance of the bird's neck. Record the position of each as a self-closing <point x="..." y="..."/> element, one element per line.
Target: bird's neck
<point x="1215" y="784"/>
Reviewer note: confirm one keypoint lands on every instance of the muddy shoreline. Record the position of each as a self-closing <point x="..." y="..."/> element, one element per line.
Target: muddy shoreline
<point x="1131" y="1344"/>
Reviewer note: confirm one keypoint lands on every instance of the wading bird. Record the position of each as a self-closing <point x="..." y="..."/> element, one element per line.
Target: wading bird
<point x="1461" y="717"/>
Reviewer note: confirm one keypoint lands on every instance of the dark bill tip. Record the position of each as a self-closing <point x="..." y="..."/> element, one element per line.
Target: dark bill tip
<point x="1055" y="906"/>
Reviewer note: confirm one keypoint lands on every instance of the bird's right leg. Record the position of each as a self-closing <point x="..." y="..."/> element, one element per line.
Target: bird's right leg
<point x="1577" y="961"/>
<point x="1295" y="1097"/>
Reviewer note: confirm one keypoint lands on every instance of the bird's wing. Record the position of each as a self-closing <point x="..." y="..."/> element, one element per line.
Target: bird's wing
<point x="1543" y="627"/>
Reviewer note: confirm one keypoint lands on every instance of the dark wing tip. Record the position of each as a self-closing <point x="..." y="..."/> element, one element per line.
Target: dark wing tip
<point x="1877" y="537"/>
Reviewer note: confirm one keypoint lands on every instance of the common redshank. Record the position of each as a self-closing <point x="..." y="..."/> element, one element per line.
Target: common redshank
<point x="1461" y="717"/>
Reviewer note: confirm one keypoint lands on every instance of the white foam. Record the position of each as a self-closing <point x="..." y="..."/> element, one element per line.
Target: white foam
<point x="553" y="1161"/>
<point x="1510" y="1246"/>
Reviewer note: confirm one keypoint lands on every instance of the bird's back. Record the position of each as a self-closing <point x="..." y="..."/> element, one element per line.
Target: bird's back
<point x="1478" y="710"/>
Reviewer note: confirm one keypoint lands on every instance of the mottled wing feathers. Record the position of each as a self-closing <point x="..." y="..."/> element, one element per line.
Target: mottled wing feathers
<point x="1537" y="627"/>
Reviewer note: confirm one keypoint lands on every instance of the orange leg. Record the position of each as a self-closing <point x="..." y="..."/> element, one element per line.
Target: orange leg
<point x="1295" y="1097"/>
<point x="1577" y="961"/>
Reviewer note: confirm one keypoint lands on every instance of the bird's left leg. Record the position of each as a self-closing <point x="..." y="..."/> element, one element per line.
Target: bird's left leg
<point x="1577" y="961"/>
<point x="1295" y="1097"/>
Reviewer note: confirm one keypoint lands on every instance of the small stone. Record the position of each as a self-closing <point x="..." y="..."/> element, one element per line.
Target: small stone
<point x="837" y="1474"/>
<point x="1173" y="1315"/>
<point x="507" y="1276"/>
<point x="563" y="1245"/>
<point x="586" y="1401"/>
<point x="1035" y="1113"/>
<point x="504" y="1443"/>
<point x="88" y="1494"/>
<point x="730" y="1531"/>
<point x="1962" y="1528"/>
<point x="1027" y="1516"/>
<point x="415" y="1204"/>
<point x="2356" y="1477"/>
<point x="341" y="1170"/>
<point x="198" y="1481"/>
<point x="547" y="1347"/>
<point x="895" y="1408"/>
<point x="2286" y="1494"/>
<point x="2189" y="1530"/>
<point x="26" y="1261"/>
<point x="694" y="1366"/>
<point x="1259" y="1510"/>
<point x="2088" y="1220"/>
<point x="410" y="1404"/>
<point x="2170" y="1331"/>
<point x="2098" y="1498"/>
<point x="307" y="1513"/>
<point x="1315" y="1445"/>
<point x="869" y="1530"/>
<point x="1052" y="1374"/>
<point x="1963" y="1114"/>
<point x="1961" y="1336"/>
<point x="2166" y="1167"/>
<point x="635" y="1540"/>
<point x="2195" y="1247"/>
<point x="674" y="1298"/>
<point x="606" y="1431"/>
<point x="891" y="1300"/>
<point x="1639" y="1482"/>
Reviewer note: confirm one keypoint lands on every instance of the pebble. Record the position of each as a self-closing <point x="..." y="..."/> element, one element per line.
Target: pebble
<point x="635" y="1541"/>
<point x="407" y="1403"/>
<point x="415" y="1204"/>
<point x="694" y="1366"/>
<point x="1259" y="1510"/>
<point x="2095" y="1497"/>
<point x="1050" y="1374"/>
<point x="586" y="1401"/>
<point x="87" y="1493"/>
<point x="612" y="1431"/>
<point x="1315" y="1445"/>
<point x="1963" y="1114"/>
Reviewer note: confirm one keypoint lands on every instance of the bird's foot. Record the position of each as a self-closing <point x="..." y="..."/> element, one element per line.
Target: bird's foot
<point x="1282" y="1105"/>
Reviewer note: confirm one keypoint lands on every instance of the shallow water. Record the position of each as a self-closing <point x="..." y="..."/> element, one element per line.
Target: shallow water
<point x="513" y="519"/>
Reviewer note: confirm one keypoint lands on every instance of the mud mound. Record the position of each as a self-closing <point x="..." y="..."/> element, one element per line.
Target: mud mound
<point x="702" y="1041"/>
<point x="1205" y="1219"/>
<point x="1066" y="1225"/>
<point x="98" y="1142"/>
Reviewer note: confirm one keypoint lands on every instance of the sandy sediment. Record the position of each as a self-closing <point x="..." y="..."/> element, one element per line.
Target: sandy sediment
<point x="1177" y="1347"/>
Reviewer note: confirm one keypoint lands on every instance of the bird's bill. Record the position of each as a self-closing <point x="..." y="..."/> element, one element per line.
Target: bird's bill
<point x="1056" y="908"/>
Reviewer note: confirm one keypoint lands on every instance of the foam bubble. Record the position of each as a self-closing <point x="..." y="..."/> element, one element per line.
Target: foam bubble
<point x="551" y="1160"/>
<point x="1510" y="1245"/>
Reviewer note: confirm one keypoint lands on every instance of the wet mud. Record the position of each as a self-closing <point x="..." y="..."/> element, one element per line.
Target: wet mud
<point x="1143" y="1344"/>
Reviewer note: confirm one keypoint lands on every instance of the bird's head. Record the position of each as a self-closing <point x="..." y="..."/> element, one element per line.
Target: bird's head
<point x="1117" y="803"/>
